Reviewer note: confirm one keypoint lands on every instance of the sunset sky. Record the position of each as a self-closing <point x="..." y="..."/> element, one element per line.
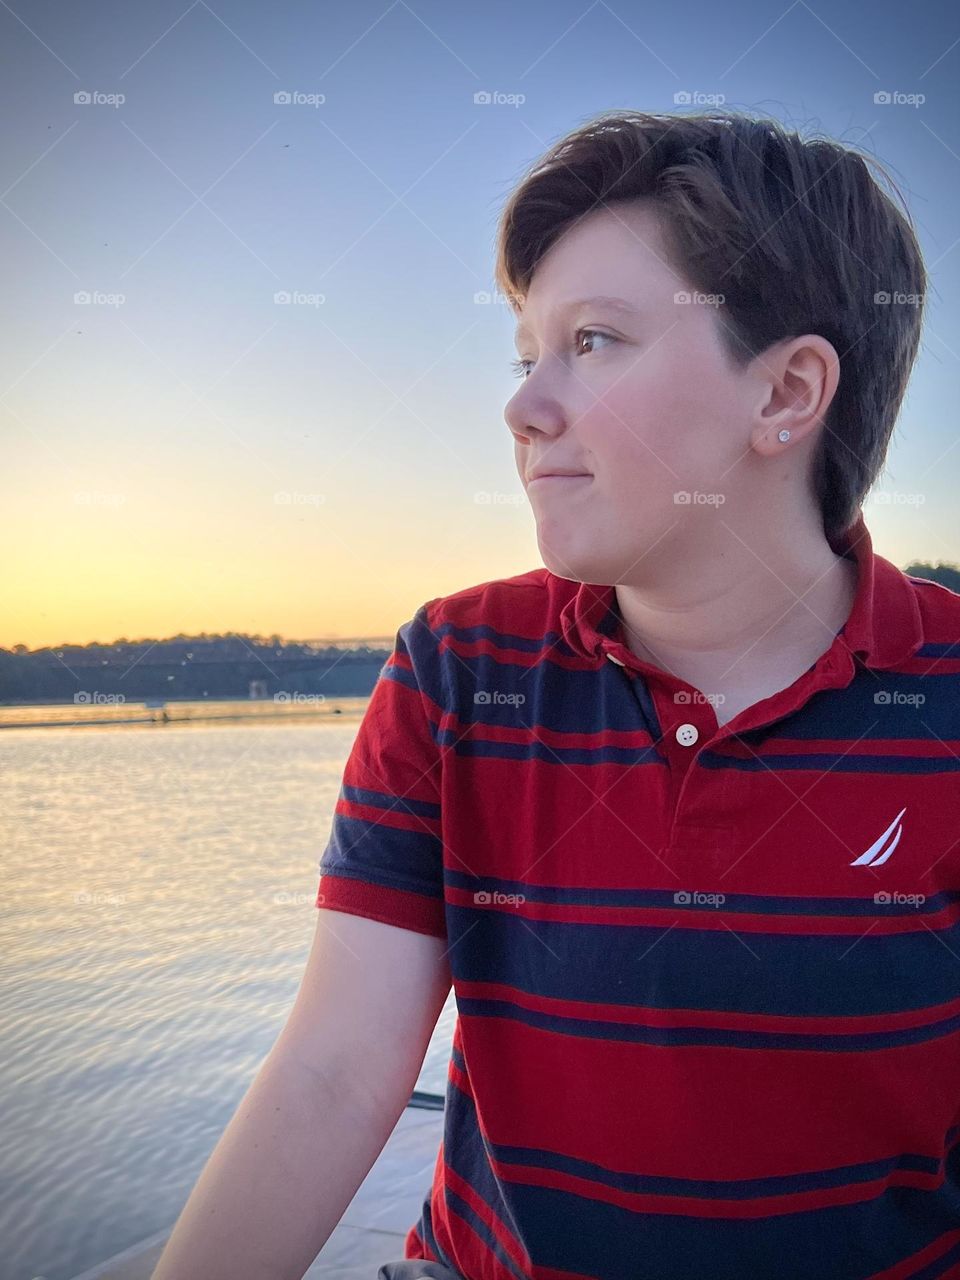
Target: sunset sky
<point x="185" y="454"/>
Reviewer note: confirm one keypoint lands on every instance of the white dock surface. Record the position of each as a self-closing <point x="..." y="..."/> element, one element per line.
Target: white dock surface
<point x="371" y="1231"/>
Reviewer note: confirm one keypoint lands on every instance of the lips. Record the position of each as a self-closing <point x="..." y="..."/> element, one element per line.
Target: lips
<point x="558" y="474"/>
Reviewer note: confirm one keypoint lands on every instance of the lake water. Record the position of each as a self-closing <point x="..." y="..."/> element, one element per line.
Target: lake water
<point x="157" y="918"/>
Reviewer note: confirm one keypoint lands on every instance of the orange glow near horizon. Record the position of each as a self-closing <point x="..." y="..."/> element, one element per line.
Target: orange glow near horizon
<point x="104" y="571"/>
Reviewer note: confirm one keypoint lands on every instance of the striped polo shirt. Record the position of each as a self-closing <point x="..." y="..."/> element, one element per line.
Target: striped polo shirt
<point x="707" y="979"/>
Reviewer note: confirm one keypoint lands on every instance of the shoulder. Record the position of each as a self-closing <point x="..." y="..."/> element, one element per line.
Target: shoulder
<point x="526" y="604"/>
<point x="939" y="612"/>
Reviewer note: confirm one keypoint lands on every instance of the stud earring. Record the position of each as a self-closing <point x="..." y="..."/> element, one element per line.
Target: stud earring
<point x="783" y="436"/>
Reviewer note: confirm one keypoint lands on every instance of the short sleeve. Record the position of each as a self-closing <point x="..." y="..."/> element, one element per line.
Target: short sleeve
<point x="384" y="855"/>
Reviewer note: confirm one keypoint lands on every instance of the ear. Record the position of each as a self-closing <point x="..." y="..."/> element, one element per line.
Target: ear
<point x="798" y="379"/>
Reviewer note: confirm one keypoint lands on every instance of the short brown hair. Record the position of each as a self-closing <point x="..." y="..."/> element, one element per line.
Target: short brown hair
<point x="794" y="233"/>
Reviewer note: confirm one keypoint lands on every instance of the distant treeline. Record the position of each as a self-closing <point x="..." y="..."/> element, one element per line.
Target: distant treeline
<point x="221" y="666"/>
<point x="948" y="575"/>
<point x="204" y="666"/>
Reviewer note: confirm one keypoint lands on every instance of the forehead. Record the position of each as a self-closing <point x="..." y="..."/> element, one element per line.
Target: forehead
<point x="613" y="258"/>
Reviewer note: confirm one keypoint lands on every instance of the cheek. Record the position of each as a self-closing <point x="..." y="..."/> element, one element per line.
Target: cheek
<point x="664" y="428"/>
<point x="636" y="438"/>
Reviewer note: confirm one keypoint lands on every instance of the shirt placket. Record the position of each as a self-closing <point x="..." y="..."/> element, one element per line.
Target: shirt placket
<point x="702" y="804"/>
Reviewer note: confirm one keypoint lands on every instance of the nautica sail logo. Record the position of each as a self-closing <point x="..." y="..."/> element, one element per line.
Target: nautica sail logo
<point x="877" y="852"/>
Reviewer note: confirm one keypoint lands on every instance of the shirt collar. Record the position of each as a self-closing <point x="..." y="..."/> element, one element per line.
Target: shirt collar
<point x="884" y="626"/>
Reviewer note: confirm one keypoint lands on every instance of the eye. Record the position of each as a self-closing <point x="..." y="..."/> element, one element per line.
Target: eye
<point x="521" y="370"/>
<point x="594" y="333"/>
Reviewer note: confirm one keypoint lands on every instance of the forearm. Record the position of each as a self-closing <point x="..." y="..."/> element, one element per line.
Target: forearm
<point x="279" y="1179"/>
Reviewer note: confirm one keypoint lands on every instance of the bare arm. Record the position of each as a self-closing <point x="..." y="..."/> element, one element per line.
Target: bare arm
<point x="320" y="1109"/>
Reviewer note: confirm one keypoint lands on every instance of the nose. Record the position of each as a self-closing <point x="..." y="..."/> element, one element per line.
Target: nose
<point x="530" y="413"/>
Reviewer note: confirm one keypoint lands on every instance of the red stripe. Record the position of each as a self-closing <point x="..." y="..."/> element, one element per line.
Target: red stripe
<point x="414" y="1246"/>
<point x="399" y="907"/>
<point x="712" y="1207"/>
<point x="516" y="657"/>
<point x="932" y="666"/>
<point x="929" y="748"/>
<point x="508" y="1242"/>
<point x="645" y="1015"/>
<point x="398" y="816"/>
<point x="714" y="918"/>
<point x="823" y="1106"/>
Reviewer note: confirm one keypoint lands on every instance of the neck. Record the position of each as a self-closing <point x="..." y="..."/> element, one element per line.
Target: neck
<point x="743" y="609"/>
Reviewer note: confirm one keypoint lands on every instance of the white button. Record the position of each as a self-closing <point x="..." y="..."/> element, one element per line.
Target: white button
<point x="616" y="660"/>
<point x="687" y="734"/>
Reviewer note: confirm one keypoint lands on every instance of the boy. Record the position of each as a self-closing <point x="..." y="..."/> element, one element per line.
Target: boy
<point x="677" y="813"/>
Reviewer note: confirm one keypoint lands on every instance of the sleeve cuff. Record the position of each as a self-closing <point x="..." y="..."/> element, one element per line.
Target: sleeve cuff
<point x="400" y="907"/>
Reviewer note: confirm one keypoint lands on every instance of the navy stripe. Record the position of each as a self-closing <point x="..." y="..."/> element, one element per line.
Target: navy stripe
<point x="401" y="675"/>
<point x="383" y="800"/>
<point x="427" y="1235"/>
<point x="387" y="856"/>
<point x="942" y="650"/>
<point x="550" y="696"/>
<point x="853" y="711"/>
<point x="734" y="1189"/>
<point x="612" y="617"/>
<point x="502" y="639"/>
<point x="674" y="1037"/>
<point x="744" y="903"/>
<point x="664" y="967"/>
<point x="537" y="750"/>
<point x="460" y="1207"/>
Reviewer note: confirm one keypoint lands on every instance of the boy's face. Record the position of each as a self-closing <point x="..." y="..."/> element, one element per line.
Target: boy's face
<point x="652" y="408"/>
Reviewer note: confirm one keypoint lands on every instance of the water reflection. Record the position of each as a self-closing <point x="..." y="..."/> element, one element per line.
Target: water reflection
<point x="158" y="916"/>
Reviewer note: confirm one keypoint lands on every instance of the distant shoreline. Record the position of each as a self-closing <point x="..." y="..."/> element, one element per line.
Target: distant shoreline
<point x="35" y="715"/>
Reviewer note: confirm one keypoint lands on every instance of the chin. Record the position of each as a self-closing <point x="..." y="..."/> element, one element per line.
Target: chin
<point x="577" y="563"/>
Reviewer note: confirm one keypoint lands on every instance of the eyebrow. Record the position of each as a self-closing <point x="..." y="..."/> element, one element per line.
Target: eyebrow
<point x="576" y="304"/>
